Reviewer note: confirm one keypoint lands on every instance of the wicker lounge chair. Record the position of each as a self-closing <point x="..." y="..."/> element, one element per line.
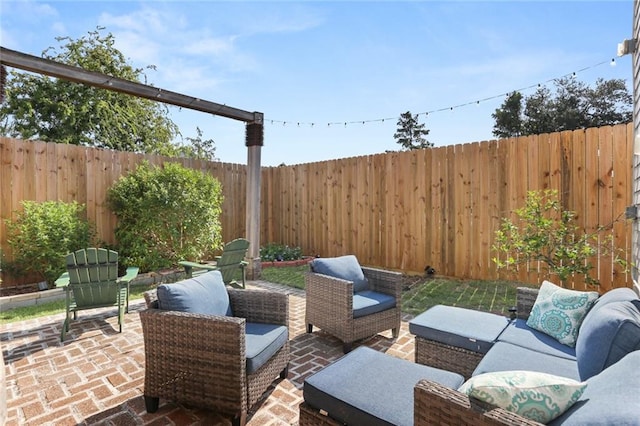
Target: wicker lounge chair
<point x="329" y="305"/>
<point x="201" y="359"/>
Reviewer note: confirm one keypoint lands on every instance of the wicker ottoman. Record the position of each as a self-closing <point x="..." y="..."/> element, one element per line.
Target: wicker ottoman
<point x="367" y="387"/>
<point x="455" y="339"/>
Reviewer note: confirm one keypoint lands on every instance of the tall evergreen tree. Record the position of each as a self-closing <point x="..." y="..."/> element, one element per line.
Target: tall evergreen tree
<point x="410" y="133"/>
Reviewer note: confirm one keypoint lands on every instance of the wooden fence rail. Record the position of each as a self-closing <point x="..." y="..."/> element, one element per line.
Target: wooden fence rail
<point x="438" y="207"/>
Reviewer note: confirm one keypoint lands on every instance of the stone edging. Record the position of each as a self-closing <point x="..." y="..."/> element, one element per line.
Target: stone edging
<point x="286" y="263"/>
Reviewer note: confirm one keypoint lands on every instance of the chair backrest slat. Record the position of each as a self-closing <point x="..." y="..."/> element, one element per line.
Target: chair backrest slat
<point x="93" y="275"/>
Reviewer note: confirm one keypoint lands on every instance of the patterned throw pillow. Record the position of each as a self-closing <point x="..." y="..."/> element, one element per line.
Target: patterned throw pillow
<point x="559" y="312"/>
<point x="537" y="396"/>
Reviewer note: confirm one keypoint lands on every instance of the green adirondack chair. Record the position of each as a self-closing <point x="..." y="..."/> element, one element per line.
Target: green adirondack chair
<point x="92" y="281"/>
<point x="231" y="260"/>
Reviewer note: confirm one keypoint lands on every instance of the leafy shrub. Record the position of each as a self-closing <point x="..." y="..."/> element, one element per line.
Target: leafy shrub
<point x="546" y="233"/>
<point x="274" y="252"/>
<point x="43" y="233"/>
<point x="166" y="214"/>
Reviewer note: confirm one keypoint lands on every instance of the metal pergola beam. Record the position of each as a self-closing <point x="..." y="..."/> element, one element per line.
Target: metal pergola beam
<point x="51" y="68"/>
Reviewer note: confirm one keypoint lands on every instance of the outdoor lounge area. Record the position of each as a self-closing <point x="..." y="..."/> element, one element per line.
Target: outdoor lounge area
<point x="97" y="375"/>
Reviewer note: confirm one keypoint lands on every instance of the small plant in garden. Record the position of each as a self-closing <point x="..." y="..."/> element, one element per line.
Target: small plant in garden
<point x="274" y="252"/>
<point x="544" y="232"/>
<point x="42" y="234"/>
<point x="166" y="214"/>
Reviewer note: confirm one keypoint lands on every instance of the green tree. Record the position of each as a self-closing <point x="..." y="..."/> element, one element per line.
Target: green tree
<point x="166" y="214"/>
<point x="198" y="148"/>
<point x="544" y="232"/>
<point x="573" y="105"/>
<point x="57" y="110"/>
<point x="539" y="112"/>
<point x="410" y="133"/>
<point x="508" y="117"/>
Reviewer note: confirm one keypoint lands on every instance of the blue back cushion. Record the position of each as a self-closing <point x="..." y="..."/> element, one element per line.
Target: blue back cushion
<point x="607" y="334"/>
<point x="205" y="294"/>
<point x="343" y="267"/>
<point x="611" y="397"/>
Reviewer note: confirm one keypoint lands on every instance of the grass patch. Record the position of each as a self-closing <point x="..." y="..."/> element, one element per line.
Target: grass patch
<point x="56" y="307"/>
<point x="292" y="276"/>
<point x="489" y="296"/>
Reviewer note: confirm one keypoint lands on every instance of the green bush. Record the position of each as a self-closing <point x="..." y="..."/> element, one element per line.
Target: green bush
<point x="274" y="252"/>
<point x="42" y="234"/>
<point x="546" y="233"/>
<point x="166" y="214"/>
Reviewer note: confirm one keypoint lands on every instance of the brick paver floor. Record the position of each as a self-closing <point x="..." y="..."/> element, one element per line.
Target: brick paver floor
<point x="97" y="376"/>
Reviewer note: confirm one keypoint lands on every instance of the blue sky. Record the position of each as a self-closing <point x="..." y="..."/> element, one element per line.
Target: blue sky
<point x="306" y="64"/>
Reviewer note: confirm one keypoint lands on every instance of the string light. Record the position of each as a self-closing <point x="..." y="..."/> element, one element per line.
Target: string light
<point x="452" y="108"/>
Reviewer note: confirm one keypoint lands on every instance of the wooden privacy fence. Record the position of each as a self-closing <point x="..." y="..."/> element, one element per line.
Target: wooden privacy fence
<point x="441" y="206"/>
<point x="438" y="207"/>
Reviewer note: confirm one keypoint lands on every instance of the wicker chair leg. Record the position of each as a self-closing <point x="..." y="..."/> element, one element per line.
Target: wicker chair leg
<point x="346" y="348"/>
<point x="151" y="403"/>
<point x="285" y="372"/>
<point x="395" y="332"/>
<point x="240" y="420"/>
<point x="309" y="328"/>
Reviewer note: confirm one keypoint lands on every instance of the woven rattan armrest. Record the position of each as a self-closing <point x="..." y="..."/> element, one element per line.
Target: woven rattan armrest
<point x="331" y="296"/>
<point x="260" y="306"/>
<point x="438" y="404"/>
<point x="173" y="331"/>
<point x="383" y="281"/>
<point x="525" y="299"/>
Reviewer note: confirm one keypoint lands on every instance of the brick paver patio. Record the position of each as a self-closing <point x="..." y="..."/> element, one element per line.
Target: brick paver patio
<point x="97" y="376"/>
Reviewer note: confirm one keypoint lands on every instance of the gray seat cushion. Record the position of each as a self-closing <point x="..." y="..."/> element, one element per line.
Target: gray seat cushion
<point x="519" y="333"/>
<point x="369" y="302"/>
<point x="367" y="387"/>
<point x="611" y="397"/>
<point x="262" y="341"/>
<point x="205" y="294"/>
<point x="464" y="328"/>
<point x="507" y="357"/>
<point x="607" y="334"/>
<point x="343" y="267"/>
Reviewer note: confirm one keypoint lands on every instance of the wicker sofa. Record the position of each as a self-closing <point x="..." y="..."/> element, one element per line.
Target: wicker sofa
<point x="223" y="361"/>
<point x="610" y="370"/>
<point x="606" y="358"/>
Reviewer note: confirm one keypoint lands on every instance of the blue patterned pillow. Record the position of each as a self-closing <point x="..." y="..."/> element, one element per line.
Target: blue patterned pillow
<point x="537" y="396"/>
<point x="559" y="312"/>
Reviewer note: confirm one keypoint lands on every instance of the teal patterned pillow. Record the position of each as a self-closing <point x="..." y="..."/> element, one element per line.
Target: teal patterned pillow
<point x="559" y="312"/>
<point x="537" y="396"/>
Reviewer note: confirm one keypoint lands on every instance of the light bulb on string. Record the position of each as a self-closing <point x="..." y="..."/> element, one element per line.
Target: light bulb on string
<point x="613" y="62"/>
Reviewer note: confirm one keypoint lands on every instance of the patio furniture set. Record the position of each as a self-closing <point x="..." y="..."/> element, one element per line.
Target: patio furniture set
<point x="564" y="357"/>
